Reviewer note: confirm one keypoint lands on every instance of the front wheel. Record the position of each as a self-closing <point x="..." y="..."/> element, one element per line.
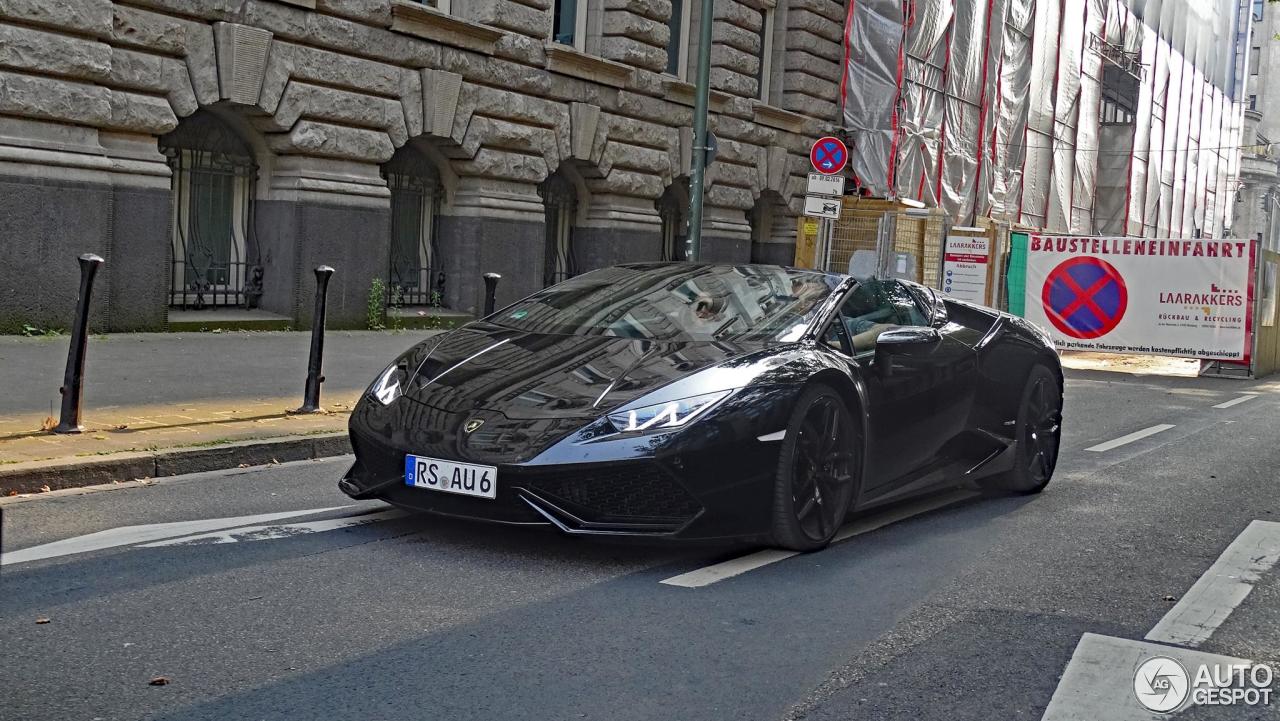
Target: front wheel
<point x="1039" y="434"/>
<point x="816" y="471"/>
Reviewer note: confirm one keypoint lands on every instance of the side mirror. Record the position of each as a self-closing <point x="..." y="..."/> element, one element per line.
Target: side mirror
<point x="902" y="342"/>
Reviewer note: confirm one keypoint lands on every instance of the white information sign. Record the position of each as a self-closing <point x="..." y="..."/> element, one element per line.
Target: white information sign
<point x="964" y="268"/>
<point x="820" y="207"/>
<point x="832" y="185"/>
<point x="1188" y="297"/>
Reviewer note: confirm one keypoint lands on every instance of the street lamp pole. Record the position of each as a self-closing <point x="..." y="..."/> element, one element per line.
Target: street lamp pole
<point x="698" y="171"/>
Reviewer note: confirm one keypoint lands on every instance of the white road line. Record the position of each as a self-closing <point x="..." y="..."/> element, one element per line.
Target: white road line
<point x="130" y="535"/>
<point x="737" y="566"/>
<point x="728" y="569"/>
<point x="1098" y="682"/>
<point x="1125" y="440"/>
<point x="286" y="530"/>
<point x="1237" y="401"/>
<point x="1222" y="588"/>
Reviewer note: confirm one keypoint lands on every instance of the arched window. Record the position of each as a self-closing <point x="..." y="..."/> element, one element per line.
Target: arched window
<point x="416" y="275"/>
<point x="560" y="201"/>
<point x="213" y="180"/>
<point x="673" y="208"/>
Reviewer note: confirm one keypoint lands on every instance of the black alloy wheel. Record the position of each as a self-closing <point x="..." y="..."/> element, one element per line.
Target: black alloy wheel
<point x="1039" y="435"/>
<point x="817" y="471"/>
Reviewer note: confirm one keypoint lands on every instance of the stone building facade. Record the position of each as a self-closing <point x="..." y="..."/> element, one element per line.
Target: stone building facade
<point x="215" y="151"/>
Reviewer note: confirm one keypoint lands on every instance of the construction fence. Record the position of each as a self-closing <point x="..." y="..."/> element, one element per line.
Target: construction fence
<point x="883" y="238"/>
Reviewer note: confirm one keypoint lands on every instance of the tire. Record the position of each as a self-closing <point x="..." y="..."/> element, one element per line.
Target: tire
<point x="1038" y="435"/>
<point x="818" y="471"/>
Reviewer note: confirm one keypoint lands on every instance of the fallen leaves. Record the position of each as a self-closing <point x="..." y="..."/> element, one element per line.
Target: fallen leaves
<point x="48" y="424"/>
<point x="159" y="681"/>
<point x="11" y="493"/>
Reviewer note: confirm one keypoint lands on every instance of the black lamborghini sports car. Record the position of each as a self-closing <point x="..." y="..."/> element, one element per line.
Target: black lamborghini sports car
<point x="710" y="401"/>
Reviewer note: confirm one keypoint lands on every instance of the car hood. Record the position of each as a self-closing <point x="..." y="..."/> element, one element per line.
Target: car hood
<point x="541" y="376"/>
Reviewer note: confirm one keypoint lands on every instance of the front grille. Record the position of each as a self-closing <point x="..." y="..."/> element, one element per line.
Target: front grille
<point x="607" y="494"/>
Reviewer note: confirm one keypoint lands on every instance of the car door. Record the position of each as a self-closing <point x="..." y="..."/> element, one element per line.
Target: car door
<point x="917" y="393"/>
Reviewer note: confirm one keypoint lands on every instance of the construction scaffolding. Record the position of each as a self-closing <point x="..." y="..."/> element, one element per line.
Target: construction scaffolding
<point x="1074" y="116"/>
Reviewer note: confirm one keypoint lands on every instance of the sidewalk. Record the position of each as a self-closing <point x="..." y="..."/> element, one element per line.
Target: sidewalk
<point x="151" y="400"/>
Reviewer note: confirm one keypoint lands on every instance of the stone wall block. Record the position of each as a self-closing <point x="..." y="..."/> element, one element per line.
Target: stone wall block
<point x="802" y="61"/>
<point x="637" y="27"/>
<point x="632" y="157"/>
<point x="584" y="122"/>
<point x="53" y="53"/>
<point x="91" y="17"/>
<point x="411" y="101"/>
<point x="531" y="17"/>
<point x="640" y="132"/>
<point x="310" y="137"/>
<point x="774" y="171"/>
<point x="53" y="99"/>
<point x="242" y="61"/>
<point x="137" y="70"/>
<point x="344" y="71"/>
<point x="732" y="82"/>
<point x="812" y="86"/>
<point x="659" y="10"/>
<point x="815" y="24"/>
<point x="635" y="53"/>
<point x="739" y="61"/>
<point x="726" y="35"/>
<point x="629" y="183"/>
<point x="833" y="10"/>
<point x="373" y="12"/>
<point x="806" y="42"/>
<point x="734" y="12"/>
<point x="202" y="63"/>
<point x="137" y="28"/>
<point x="141" y="113"/>
<point x="440" y="92"/>
<point x="340" y="107"/>
<point x="500" y="164"/>
<point x="528" y="139"/>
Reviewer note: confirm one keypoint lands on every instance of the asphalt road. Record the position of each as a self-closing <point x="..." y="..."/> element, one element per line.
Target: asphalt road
<point x="272" y="596"/>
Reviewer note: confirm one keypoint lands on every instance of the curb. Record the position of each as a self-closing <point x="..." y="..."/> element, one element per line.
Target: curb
<point x="57" y="474"/>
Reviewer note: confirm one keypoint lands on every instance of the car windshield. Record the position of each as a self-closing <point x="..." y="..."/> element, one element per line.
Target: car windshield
<point x="678" y="302"/>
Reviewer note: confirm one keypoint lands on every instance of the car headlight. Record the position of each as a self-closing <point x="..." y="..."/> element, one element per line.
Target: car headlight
<point x="663" y="416"/>
<point x="390" y="385"/>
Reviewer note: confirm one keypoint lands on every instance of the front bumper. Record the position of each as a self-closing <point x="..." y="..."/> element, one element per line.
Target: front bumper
<point x="699" y="486"/>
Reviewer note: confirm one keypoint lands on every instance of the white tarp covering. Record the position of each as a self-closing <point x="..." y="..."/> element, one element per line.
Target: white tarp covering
<point x="1029" y="110"/>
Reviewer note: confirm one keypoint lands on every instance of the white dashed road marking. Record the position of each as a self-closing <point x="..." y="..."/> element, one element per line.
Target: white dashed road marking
<point x="1099" y="684"/>
<point x="1222" y="588"/>
<point x="1125" y="440"/>
<point x="130" y="535"/>
<point x="286" y="530"/>
<point x="737" y="566"/>
<point x="1237" y="401"/>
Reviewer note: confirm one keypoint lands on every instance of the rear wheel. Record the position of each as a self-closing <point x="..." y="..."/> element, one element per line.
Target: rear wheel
<point x="817" y="471"/>
<point x="1039" y="433"/>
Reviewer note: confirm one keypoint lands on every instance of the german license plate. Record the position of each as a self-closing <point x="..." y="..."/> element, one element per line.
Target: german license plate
<point x="437" y="474"/>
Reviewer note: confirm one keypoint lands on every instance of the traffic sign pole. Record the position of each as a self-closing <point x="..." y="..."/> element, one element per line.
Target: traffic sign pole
<point x="697" y="177"/>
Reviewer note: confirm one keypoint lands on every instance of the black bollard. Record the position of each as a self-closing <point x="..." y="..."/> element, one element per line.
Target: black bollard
<point x="311" y="397"/>
<point x="490" y="291"/>
<point x="72" y="389"/>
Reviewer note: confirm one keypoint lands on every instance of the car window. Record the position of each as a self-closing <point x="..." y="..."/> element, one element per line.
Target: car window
<point x="875" y="306"/>
<point x="835" y="338"/>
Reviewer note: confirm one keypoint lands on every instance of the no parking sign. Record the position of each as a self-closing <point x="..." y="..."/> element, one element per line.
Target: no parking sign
<point x="1190" y="297"/>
